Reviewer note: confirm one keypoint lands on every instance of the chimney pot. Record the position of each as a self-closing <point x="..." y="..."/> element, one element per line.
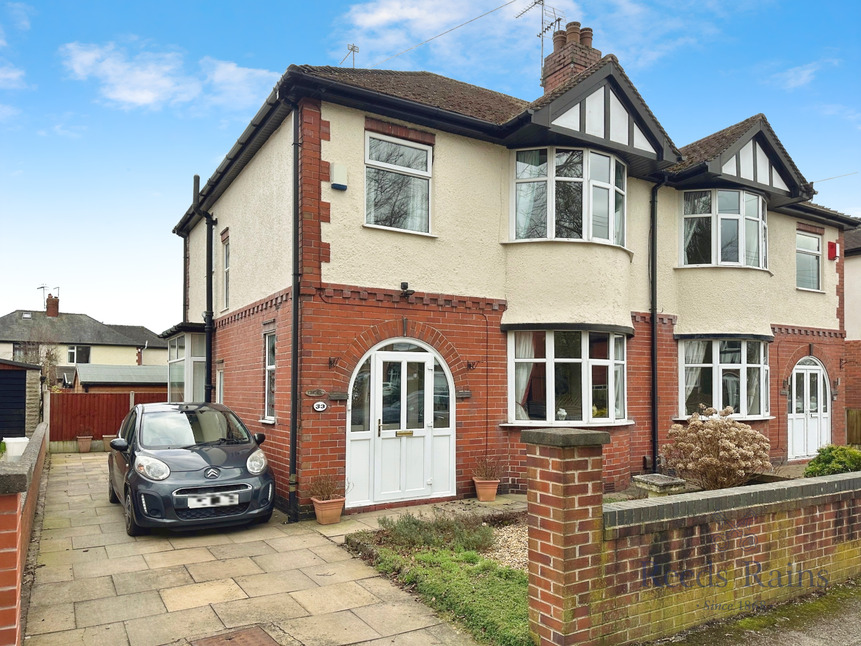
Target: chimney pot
<point x="586" y="36"/>
<point x="52" y="306"/>
<point x="558" y="40"/>
<point x="572" y="30"/>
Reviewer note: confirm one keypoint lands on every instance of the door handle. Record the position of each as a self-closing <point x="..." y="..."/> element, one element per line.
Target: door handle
<point x="379" y="427"/>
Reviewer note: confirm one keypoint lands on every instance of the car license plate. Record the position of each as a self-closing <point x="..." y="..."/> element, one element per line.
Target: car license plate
<point x="196" y="502"/>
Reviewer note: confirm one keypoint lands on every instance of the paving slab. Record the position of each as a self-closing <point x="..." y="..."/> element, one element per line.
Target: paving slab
<point x="170" y="627"/>
<point x="168" y="577"/>
<point x="178" y="557"/>
<point x="226" y="569"/>
<point x="237" y="550"/>
<point x="124" y="607"/>
<point x="259" y="585"/>
<point x="66" y="591"/>
<point x="336" y="629"/>
<point x="333" y="598"/>
<point x="103" y="635"/>
<point x="273" y="607"/>
<point x="201" y="594"/>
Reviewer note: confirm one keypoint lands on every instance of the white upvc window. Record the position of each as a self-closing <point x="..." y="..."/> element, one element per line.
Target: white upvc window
<point x="723" y="227"/>
<point x="808" y="261"/>
<point x="569" y="194"/>
<point x="724" y="372"/>
<point x="79" y="354"/>
<point x="186" y="365"/>
<point x="566" y="376"/>
<point x="225" y="254"/>
<point x="397" y="183"/>
<point x="269" y="385"/>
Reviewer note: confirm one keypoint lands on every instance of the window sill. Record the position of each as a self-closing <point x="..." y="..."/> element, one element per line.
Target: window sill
<point x="270" y="421"/>
<point x="566" y="424"/>
<point x="738" y="418"/>
<point x="809" y="291"/>
<point x="379" y="227"/>
<point x="763" y="269"/>
<point x="602" y="243"/>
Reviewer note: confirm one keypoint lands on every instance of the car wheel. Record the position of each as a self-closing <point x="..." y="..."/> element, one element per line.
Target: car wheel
<point x="132" y="528"/>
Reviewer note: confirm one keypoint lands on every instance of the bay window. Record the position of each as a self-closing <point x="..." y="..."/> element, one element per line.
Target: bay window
<point x="721" y="227"/>
<point x="397" y="183"/>
<point x="724" y="372"/>
<point x="566" y="376"/>
<point x="569" y="194"/>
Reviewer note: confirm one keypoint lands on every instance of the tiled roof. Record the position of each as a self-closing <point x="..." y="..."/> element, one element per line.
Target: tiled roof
<point x="711" y="147"/>
<point x="69" y="329"/>
<point x="428" y="89"/>
<point x="852" y="239"/>
<point x="140" y="335"/>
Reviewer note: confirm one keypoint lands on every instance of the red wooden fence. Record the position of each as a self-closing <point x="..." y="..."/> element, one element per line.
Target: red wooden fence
<point x="95" y="414"/>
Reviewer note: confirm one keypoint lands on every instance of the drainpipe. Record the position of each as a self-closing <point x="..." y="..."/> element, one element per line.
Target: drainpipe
<point x="653" y="314"/>
<point x="207" y="315"/>
<point x="293" y="496"/>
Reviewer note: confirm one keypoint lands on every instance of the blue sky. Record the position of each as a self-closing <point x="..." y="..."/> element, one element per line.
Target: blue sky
<point x="108" y="109"/>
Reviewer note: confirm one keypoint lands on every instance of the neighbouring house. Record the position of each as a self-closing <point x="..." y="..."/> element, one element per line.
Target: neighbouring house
<point x="20" y="398"/>
<point x="101" y="378"/>
<point x="434" y="267"/>
<point x="852" y="253"/>
<point x="66" y="340"/>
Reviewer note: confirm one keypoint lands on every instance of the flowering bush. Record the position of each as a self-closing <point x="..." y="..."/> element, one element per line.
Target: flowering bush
<point x="715" y="451"/>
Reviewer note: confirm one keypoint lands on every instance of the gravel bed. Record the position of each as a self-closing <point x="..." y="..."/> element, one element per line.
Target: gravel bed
<point x="510" y="546"/>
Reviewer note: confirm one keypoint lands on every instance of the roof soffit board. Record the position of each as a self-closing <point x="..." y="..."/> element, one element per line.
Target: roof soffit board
<point x="561" y="113"/>
<point x="734" y="164"/>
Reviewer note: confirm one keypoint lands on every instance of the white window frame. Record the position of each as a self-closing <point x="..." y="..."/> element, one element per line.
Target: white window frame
<point x="72" y="355"/>
<point x="717" y="217"/>
<point x="187" y="367"/>
<point x="718" y="369"/>
<point x="617" y="357"/>
<point x="400" y="170"/>
<point x="269" y="373"/>
<point x="225" y="256"/>
<point x="615" y="229"/>
<point x="817" y="253"/>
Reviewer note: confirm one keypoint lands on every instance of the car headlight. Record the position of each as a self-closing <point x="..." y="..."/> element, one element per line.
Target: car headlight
<point x="151" y="468"/>
<point x="256" y="462"/>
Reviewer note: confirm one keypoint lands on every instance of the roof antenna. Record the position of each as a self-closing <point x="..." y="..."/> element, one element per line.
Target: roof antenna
<point x="551" y="20"/>
<point x="351" y="49"/>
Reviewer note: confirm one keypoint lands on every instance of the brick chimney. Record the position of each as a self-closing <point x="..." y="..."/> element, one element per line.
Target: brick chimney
<point x="572" y="53"/>
<point x="52" y="306"/>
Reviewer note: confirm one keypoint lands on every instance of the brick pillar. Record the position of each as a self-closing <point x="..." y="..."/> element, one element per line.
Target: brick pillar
<point x="564" y="498"/>
<point x="11" y="567"/>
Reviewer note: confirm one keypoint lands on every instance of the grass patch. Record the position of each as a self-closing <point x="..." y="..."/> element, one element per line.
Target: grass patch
<point x="440" y="559"/>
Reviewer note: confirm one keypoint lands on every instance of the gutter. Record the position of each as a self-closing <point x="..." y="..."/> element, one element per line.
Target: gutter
<point x="295" y="333"/>
<point x="207" y="315"/>
<point x="653" y="314"/>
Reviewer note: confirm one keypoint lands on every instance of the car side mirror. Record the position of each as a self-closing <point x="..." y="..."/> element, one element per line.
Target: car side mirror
<point x="260" y="438"/>
<point x="119" y="444"/>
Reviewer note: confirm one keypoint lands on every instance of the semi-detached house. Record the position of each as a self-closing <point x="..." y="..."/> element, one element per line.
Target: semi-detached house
<point x="407" y="271"/>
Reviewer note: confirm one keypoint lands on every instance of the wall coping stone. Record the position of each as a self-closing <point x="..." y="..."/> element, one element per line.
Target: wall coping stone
<point x="564" y="437"/>
<point x="631" y="516"/>
<point x="15" y="477"/>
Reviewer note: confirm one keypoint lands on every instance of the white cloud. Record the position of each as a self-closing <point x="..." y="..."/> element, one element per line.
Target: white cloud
<point x="141" y="78"/>
<point x="8" y="112"/>
<point x="11" y="77"/>
<point x="231" y="85"/>
<point x="852" y="115"/>
<point x="796" y="77"/>
<point x="20" y="13"/>
<point x="146" y="79"/>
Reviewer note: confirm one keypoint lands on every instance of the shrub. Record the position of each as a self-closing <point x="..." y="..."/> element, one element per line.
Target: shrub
<point x="833" y="459"/>
<point x="715" y="451"/>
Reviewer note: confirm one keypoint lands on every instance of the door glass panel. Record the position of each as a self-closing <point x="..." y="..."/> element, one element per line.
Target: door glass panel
<point x="360" y="399"/>
<point x="799" y="392"/>
<point x="814" y="392"/>
<point x="415" y="395"/>
<point x="391" y="392"/>
<point x="824" y="392"/>
<point x="441" y="398"/>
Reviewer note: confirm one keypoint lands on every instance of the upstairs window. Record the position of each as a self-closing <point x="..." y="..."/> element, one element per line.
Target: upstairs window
<point x="569" y="194"/>
<point x="724" y="228"/>
<point x="808" y="255"/>
<point x="225" y="254"/>
<point x="397" y="183"/>
<point x="79" y="354"/>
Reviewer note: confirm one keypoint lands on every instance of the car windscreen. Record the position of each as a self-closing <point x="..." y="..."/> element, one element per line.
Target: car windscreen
<point x="200" y="426"/>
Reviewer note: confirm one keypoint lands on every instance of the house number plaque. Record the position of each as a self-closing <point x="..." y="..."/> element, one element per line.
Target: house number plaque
<point x="320" y="406"/>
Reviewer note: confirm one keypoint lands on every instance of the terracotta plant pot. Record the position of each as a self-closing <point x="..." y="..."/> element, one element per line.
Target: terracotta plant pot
<point x="328" y="512"/>
<point x="106" y="441"/>
<point x="84" y="442"/>
<point x="485" y="489"/>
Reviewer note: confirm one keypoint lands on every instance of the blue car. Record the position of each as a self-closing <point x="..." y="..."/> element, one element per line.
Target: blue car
<point x="188" y="466"/>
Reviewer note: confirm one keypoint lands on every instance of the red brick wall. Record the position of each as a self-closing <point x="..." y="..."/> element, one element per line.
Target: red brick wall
<point x="853" y="374"/>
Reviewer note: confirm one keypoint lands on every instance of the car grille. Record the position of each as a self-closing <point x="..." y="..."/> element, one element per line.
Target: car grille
<point x="211" y="512"/>
<point x="212" y="489"/>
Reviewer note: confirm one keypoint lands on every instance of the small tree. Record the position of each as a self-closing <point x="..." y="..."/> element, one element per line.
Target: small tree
<point x="715" y="451"/>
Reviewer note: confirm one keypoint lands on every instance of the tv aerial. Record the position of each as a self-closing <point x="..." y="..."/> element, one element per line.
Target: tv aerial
<point x="351" y="49"/>
<point x="551" y="20"/>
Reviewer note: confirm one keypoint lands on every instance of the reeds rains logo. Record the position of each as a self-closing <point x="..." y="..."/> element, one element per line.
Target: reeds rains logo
<point x="658" y="571"/>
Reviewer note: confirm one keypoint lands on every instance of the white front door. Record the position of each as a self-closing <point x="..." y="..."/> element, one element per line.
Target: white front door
<point x="401" y="429"/>
<point x="404" y="423"/>
<point x="810" y="410"/>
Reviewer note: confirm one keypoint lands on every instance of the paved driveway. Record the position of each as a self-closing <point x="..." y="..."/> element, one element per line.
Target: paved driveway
<point x="271" y="584"/>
